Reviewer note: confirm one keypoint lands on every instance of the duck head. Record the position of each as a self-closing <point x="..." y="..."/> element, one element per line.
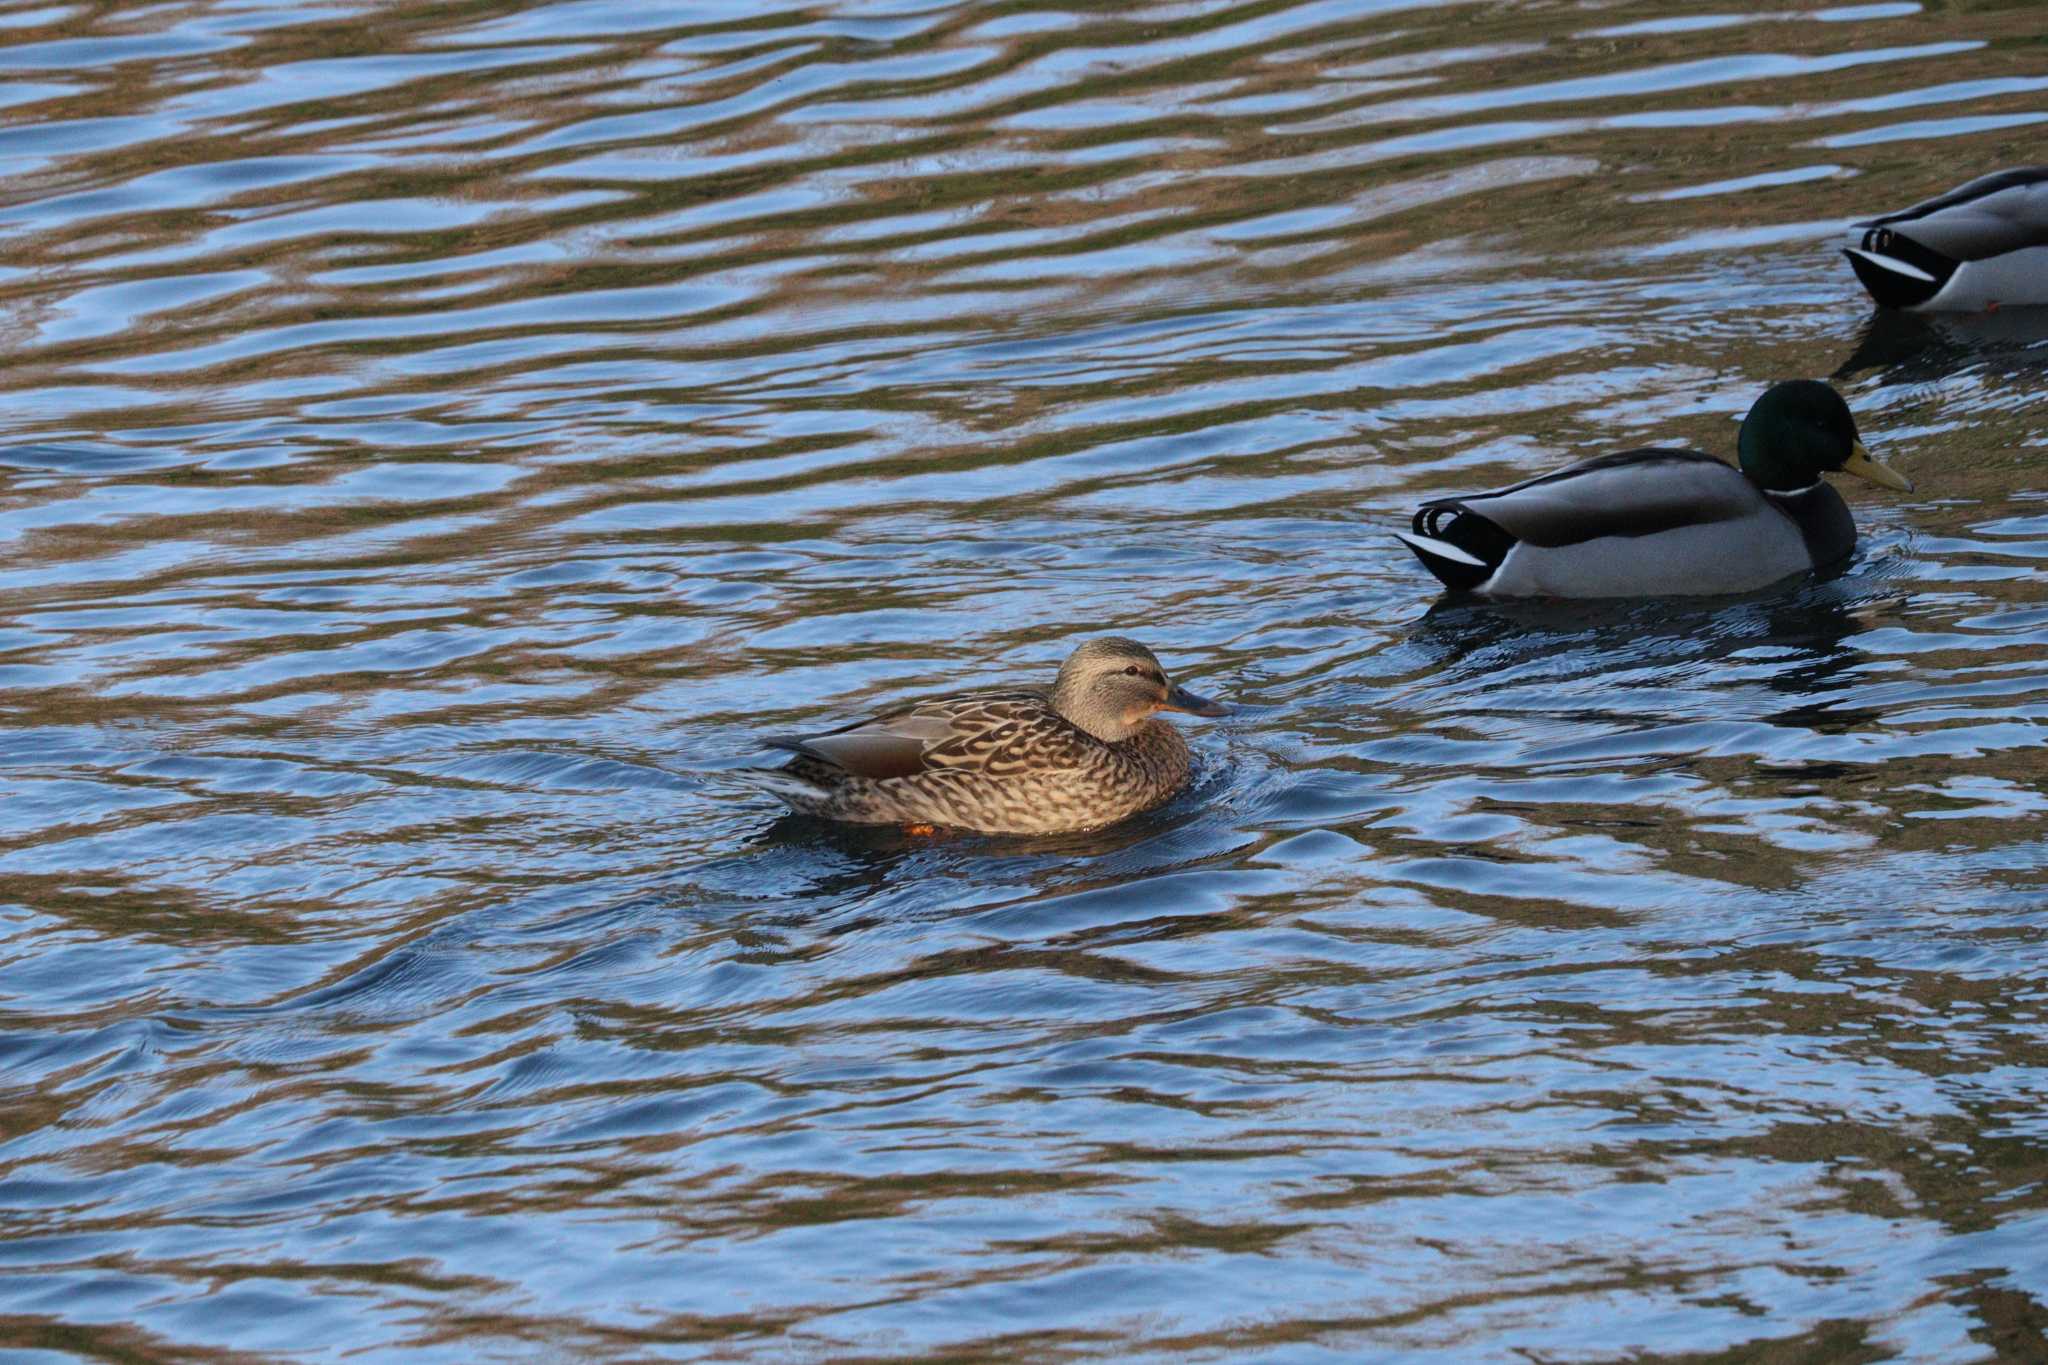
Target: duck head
<point x="1800" y="430"/>
<point x="1111" y="686"/>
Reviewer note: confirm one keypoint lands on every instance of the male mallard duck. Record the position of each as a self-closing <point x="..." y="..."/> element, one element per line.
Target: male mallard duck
<point x="1085" y="752"/>
<point x="1657" y="522"/>
<point x="1982" y="246"/>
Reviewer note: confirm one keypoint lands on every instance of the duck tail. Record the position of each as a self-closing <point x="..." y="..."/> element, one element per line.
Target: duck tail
<point x="1462" y="553"/>
<point x="1453" y="567"/>
<point x="1898" y="271"/>
<point x="785" y="785"/>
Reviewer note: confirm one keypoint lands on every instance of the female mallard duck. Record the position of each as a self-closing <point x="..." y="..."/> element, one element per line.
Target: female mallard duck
<point x="1085" y="752"/>
<point x="1664" y="522"/>
<point x="1984" y="245"/>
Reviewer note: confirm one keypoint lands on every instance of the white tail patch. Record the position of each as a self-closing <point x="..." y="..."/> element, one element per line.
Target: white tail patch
<point x="1442" y="549"/>
<point x="786" y="787"/>
<point x="1896" y="266"/>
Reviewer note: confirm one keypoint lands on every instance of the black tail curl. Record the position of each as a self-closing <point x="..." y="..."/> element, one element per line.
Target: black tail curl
<point x="1893" y="290"/>
<point x="1456" y="524"/>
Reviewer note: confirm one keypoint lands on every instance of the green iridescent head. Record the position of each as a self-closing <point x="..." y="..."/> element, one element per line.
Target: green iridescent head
<point x="1800" y="430"/>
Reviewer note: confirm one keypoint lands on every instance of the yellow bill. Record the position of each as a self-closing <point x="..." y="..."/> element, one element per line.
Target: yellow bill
<point x="1862" y="466"/>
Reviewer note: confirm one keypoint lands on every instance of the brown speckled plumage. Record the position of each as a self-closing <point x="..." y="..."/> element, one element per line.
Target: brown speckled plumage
<point x="1086" y="752"/>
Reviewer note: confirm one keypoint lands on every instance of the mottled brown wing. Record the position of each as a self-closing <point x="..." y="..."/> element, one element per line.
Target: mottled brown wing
<point x="982" y="731"/>
<point x="1007" y="735"/>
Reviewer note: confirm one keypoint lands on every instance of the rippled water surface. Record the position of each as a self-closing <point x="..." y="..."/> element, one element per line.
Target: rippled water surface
<point x="437" y="436"/>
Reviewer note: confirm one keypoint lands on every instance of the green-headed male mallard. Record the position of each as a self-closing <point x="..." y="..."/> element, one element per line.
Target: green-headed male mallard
<point x="1085" y="752"/>
<point x="1658" y="522"/>
<point x="1982" y="245"/>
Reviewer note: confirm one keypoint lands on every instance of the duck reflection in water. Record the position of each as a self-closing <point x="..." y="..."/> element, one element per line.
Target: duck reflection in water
<point x="888" y="873"/>
<point x="1919" y="348"/>
<point x="1811" y="627"/>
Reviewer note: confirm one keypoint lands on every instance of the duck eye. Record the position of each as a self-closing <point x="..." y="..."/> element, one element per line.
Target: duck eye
<point x="1132" y="671"/>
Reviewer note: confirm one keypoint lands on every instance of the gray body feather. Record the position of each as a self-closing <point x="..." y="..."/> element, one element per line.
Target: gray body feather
<point x="1980" y="246"/>
<point x="1650" y="523"/>
<point x="1739" y="554"/>
<point x="1988" y="217"/>
<point x="1633" y="494"/>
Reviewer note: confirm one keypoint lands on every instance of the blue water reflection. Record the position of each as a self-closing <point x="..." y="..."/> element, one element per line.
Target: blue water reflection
<point x="439" y="439"/>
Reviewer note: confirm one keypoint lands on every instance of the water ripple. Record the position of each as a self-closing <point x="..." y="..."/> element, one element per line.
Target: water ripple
<point x="438" y="438"/>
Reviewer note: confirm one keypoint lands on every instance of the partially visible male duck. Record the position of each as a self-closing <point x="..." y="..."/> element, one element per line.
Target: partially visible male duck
<point x="1983" y="245"/>
<point x="1085" y="752"/>
<point x="1660" y="522"/>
